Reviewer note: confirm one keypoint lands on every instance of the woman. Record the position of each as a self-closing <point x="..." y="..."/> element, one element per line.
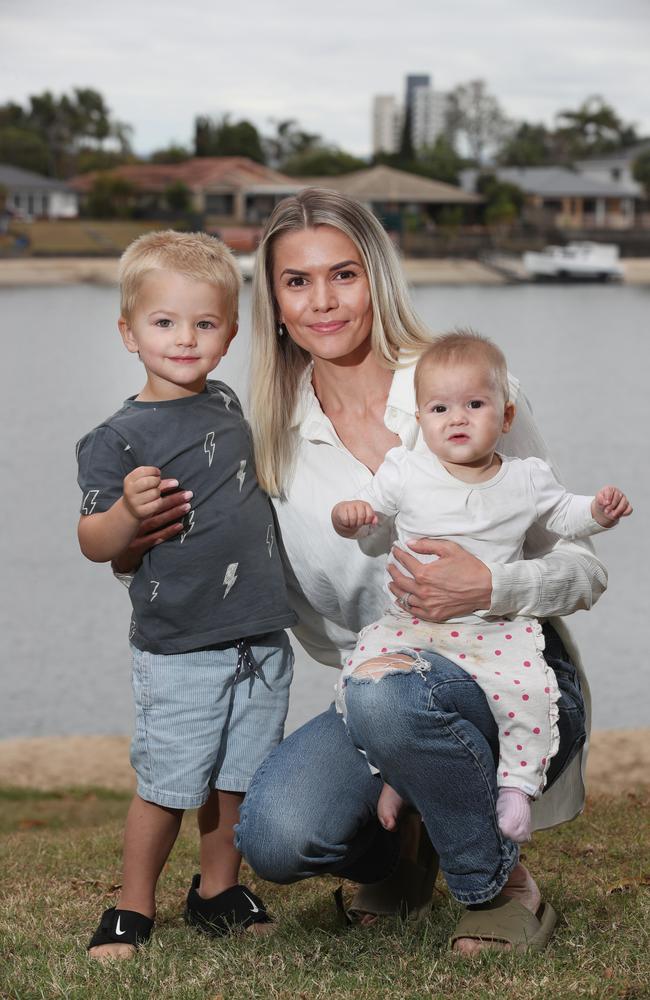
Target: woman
<point x="335" y="341"/>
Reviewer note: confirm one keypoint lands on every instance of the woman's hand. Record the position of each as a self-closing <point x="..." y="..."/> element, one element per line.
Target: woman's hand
<point x="154" y="530"/>
<point x="455" y="584"/>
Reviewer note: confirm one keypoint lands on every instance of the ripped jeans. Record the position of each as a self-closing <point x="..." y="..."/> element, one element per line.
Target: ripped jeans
<point x="311" y="806"/>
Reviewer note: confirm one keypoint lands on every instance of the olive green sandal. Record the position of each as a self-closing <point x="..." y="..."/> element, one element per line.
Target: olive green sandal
<point x="508" y="922"/>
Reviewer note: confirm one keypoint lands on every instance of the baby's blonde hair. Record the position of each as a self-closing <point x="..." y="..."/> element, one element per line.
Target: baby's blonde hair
<point x="194" y="255"/>
<point x="464" y="345"/>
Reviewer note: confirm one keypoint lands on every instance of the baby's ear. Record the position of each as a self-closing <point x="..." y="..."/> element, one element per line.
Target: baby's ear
<point x="127" y="335"/>
<point x="509" y="411"/>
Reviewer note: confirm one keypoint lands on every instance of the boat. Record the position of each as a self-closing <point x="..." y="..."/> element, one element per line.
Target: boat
<point x="246" y="263"/>
<point x="577" y="261"/>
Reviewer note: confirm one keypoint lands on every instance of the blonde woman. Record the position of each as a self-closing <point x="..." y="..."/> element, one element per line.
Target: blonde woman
<point x="334" y="345"/>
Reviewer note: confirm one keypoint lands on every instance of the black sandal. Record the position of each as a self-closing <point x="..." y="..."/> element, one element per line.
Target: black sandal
<point x="122" y="927"/>
<point x="232" y="910"/>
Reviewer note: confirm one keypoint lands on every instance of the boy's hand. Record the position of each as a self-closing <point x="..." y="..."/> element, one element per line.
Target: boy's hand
<point x="609" y="505"/>
<point x="142" y="489"/>
<point x="350" y="515"/>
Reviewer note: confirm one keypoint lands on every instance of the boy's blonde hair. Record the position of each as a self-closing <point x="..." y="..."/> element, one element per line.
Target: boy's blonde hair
<point x="194" y="255"/>
<point x="277" y="363"/>
<point x="464" y="345"/>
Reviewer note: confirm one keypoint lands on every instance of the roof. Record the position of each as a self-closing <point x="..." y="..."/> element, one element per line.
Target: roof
<point x="621" y="158"/>
<point x="382" y="184"/>
<point x="16" y="177"/>
<point x="556" y="182"/>
<point x="199" y="173"/>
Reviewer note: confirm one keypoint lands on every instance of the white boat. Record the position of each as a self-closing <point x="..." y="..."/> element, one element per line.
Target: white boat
<point x="579" y="261"/>
<point x="246" y="262"/>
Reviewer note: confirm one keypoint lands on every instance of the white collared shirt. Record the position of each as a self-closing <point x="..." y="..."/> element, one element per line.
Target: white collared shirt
<point x="335" y="584"/>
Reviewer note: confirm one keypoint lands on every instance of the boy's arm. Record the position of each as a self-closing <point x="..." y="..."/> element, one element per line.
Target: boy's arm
<point x="103" y="536"/>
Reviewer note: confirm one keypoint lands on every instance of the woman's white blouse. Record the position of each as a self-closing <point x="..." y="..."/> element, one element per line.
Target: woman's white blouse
<point x="335" y="584"/>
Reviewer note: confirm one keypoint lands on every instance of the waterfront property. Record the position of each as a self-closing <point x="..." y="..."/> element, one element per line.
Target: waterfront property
<point x="29" y="195"/>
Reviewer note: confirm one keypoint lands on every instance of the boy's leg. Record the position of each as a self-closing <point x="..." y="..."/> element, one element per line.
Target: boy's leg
<point x="149" y="836"/>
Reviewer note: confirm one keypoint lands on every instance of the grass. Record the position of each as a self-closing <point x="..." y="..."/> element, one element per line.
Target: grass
<point x="83" y="237"/>
<point x="60" y="864"/>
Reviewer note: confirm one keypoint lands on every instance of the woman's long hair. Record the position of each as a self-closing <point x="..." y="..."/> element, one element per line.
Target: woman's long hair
<point x="278" y="364"/>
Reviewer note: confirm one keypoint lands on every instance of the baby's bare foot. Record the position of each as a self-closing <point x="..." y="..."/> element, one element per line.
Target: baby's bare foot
<point x="389" y="807"/>
<point x="111" y="952"/>
<point x="520" y="886"/>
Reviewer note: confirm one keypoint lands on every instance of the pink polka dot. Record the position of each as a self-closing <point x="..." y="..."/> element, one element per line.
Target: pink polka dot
<point x="498" y="673"/>
<point x="454" y="635"/>
<point x="543" y="760"/>
<point x="349" y="662"/>
<point x="384" y="649"/>
<point x="547" y="690"/>
<point x="519" y="746"/>
<point x="526" y="663"/>
<point x="415" y="621"/>
<point x="524" y="697"/>
<point x="417" y="649"/>
<point x="516" y="682"/>
<point x="479" y="636"/>
<point x="497" y="652"/>
<point x="461" y="656"/>
<point x="496" y="697"/>
<point x="507" y="732"/>
<point x="362" y="647"/>
<point x="501" y="624"/>
<point x="508" y="637"/>
<point x="511" y="715"/>
<point x="400" y="632"/>
<point x="505" y="773"/>
<point x="523" y="763"/>
<point x="537" y="730"/>
<point x="529" y="629"/>
<point x="474" y="677"/>
<point x="375" y="627"/>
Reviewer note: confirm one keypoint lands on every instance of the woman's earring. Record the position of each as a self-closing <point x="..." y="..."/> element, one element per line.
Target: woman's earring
<point x="281" y="330"/>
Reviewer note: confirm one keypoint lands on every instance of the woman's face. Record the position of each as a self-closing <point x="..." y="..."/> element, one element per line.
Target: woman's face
<point x="322" y="293"/>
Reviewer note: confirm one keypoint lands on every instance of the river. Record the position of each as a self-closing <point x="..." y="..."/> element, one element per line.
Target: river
<point x="582" y="355"/>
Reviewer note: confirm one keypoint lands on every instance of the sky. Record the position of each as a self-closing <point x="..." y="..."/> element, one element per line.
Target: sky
<point x="160" y="64"/>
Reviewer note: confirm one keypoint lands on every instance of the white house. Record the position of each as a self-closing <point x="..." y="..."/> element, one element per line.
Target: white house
<point x="33" y="196"/>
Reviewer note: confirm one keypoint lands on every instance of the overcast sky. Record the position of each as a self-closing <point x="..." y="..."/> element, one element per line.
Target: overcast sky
<point x="158" y="64"/>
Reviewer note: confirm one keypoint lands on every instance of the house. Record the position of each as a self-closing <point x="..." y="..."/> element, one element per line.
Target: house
<point x="394" y="194"/>
<point x="232" y="190"/>
<point x="568" y="199"/>
<point x="31" y="195"/>
<point x="616" y="167"/>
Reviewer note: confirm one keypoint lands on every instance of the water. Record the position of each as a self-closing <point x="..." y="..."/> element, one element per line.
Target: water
<point x="582" y="354"/>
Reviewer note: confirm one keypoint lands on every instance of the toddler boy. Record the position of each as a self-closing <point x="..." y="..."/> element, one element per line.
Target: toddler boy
<point x="211" y="664"/>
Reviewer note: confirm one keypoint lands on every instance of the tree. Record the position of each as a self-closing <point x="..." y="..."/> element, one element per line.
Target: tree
<point x="503" y="201"/>
<point x="223" y="137"/>
<point x="322" y="161"/>
<point x="178" y="197"/>
<point x="23" y="148"/>
<point x="475" y="117"/>
<point x="440" y="162"/>
<point x="174" y="153"/>
<point x="110" y="197"/>
<point x="289" y="141"/>
<point x="527" y="146"/>
<point x="592" y="129"/>
<point x="641" y="171"/>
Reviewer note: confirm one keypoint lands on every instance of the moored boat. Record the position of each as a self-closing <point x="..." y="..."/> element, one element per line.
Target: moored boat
<point x="578" y="261"/>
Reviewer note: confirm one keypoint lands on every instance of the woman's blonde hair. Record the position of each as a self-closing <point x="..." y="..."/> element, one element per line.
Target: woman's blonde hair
<point x="278" y="364"/>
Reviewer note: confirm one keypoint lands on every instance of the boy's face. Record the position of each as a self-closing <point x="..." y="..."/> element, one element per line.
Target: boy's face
<point x="462" y="412"/>
<point x="181" y="331"/>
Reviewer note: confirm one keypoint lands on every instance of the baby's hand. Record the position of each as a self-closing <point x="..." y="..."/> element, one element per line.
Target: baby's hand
<point x="142" y="489"/>
<point x="609" y="505"/>
<point x="350" y="515"/>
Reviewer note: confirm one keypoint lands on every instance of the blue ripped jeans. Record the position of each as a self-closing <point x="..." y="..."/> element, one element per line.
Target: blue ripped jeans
<point x="311" y="806"/>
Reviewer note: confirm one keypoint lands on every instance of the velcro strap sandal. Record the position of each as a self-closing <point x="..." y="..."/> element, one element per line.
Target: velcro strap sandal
<point x="233" y="910"/>
<point x="505" y="921"/>
<point x="122" y="927"/>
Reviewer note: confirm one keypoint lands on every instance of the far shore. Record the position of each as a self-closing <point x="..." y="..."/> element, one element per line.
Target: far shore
<point x="34" y="271"/>
<point x="618" y="762"/>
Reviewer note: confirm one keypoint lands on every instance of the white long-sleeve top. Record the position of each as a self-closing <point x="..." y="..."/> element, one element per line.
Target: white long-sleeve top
<point x="489" y="519"/>
<point x="335" y="584"/>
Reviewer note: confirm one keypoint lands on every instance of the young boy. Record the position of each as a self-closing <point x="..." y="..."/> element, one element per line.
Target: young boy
<point x="455" y="485"/>
<point x="211" y="664"/>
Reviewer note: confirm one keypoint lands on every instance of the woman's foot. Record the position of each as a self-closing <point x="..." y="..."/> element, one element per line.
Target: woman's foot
<point x="389" y="808"/>
<point x="520" y="886"/>
<point x="514" y="814"/>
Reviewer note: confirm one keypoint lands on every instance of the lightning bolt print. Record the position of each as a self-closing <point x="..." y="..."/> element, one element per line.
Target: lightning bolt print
<point x="132" y="628"/>
<point x="241" y="475"/>
<point x="154" y="593"/>
<point x="89" y="501"/>
<point x="226" y="400"/>
<point x="189" y="524"/>
<point x="208" y="446"/>
<point x="230" y="578"/>
<point x="269" y="539"/>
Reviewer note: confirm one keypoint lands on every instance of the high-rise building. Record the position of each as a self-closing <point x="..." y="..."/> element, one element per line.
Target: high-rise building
<point x="413" y="82"/>
<point x="428" y="111"/>
<point x="386" y="124"/>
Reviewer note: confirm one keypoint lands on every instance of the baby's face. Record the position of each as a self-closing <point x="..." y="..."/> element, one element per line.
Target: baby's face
<point x="462" y="412"/>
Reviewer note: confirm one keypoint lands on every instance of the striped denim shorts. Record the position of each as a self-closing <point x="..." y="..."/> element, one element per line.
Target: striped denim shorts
<point x="207" y="718"/>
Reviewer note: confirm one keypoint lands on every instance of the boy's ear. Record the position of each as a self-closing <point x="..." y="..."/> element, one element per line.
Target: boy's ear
<point x="231" y="337"/>
<point x="508" y="416"/>
<point x="127" y="335"/>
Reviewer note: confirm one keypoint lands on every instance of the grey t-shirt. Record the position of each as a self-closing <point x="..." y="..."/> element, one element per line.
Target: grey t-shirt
<point x="221" y="579"/>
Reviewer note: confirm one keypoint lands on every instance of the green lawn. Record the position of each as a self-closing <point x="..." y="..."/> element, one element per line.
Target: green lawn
<point x="60" y="865"/>
<point x="98" y="237"/>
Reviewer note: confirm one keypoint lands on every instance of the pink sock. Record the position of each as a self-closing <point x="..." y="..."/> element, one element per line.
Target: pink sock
<point x="513" y="812"/>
